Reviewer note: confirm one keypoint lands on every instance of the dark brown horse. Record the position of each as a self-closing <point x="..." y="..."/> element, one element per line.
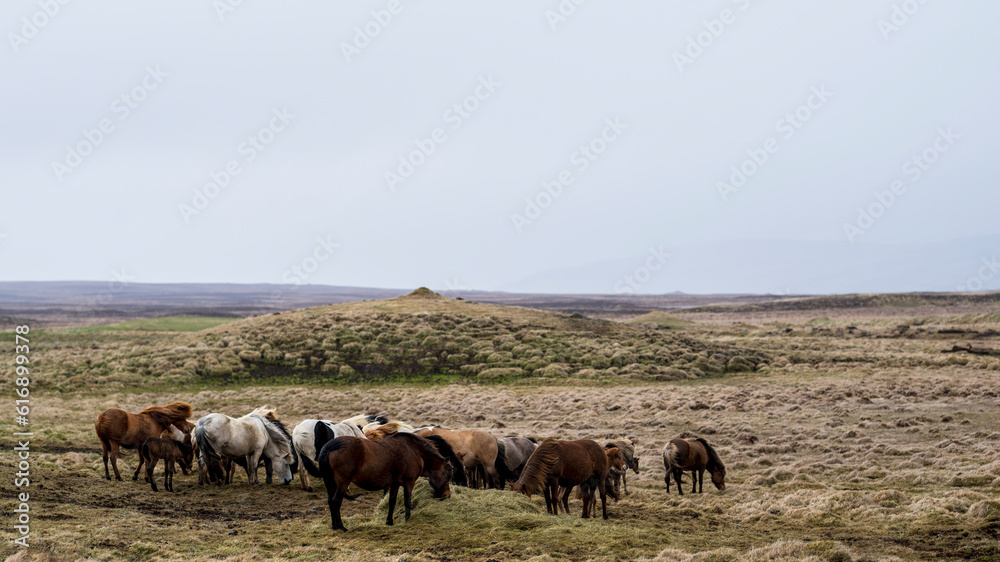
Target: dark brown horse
<point x="118" y="428"/>
<point x="566" y="463"/>
<point x="397" y="460"/>
<point x="697" y="456"/>
<point x="169" y="450"/>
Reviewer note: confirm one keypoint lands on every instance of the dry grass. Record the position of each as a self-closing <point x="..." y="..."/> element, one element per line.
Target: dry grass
<point x="843" y="446"/>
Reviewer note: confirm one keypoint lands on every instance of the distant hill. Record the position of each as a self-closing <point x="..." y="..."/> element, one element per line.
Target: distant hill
<point x="421" y="336"/>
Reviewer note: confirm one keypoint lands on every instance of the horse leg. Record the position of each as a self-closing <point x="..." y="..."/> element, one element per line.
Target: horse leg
<point x="114" y="460"/>
<point x="548" y="499"/>
<point x="678" y="474"/>
<point x="142" y="461"/>
<point x="493" y="477"/>
<point x="168" y="475"/>
<point x="602" y="488"/>
<point x="694" y="483"/>
<point x="565" y="499"/>
<point x="304" y="478"/>
<point x="407" y="498"/>
<point x="393" y="492"/>
<point x="252" y="472"/>
<point x="149" y="472"/>
<point x="667" y="480"/>
<point x="701" y="480"/>
<point x="624" y="481"/>
<point x="334" y="499"/>
<point x="104" y="450"/>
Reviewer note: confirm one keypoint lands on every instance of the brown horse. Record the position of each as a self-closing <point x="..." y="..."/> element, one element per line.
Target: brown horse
<point x="616" y="461"/>
<point x="476" y="448"/>
<point x="170" y="450"/>
<point x="566" y="463"/>
<point x="618" y="477"/>
<point x="118" y="428"/>
<point x="397" y="460"/>
<point x="697" y="456"/>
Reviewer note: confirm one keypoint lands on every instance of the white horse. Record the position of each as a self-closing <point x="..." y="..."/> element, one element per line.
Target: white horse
<point x="248" y="439"/>
<point x="309" y="438"/>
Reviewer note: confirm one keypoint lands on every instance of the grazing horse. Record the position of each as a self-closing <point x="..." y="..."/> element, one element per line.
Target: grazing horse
<point x="118" y="428"/>
<point x="512" y="455"/>
<point x="170" y="450"/>
<point x="309" y="437"/>
<point x="397" y="460"/>
<point x="476" y="447"/>
<point x="247" y="439"/>
<point x="378" y="431"/>
<point x="697" y="456"/>
<point x="566" y="463"/>
<point x="618" y="477"/>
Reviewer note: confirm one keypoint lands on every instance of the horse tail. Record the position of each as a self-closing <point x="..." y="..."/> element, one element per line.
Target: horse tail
<point x="539" y="465"/>
<point x="713" y="457"/>
<point x="505" y="472"/>
<point x="670" y="457"/>
<point x="325" y="470"/>
<point x="205" y="448"/>
<point x="311" y="468"/>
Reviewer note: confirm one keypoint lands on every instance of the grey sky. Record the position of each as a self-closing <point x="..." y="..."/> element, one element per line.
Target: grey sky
<point x="543" y="92"/>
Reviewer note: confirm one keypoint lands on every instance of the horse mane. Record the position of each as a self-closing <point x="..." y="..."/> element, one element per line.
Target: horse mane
<point x="538" y="467"/>
<point x="266" y="411"/>
<point x="170" y="413"/>
<point x="423" y="442"/>
<point x="276" y="431"/>
<point x="458" y="474"/>
<point x="713" y="457"/>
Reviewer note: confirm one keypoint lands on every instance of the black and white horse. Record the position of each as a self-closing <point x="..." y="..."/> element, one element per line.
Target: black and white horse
<point x="512" y="455"/>
<point x="309" y="437"/>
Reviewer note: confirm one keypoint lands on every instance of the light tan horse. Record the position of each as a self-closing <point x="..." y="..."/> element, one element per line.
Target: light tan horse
<point x="476" y="447"/>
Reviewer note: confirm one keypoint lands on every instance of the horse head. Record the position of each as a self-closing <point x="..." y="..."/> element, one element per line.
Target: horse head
<point x="719" y="477"/>
<point x="279" y="450"/>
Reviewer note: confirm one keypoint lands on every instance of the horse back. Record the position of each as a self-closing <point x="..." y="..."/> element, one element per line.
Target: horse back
<point x="129" y="430"/>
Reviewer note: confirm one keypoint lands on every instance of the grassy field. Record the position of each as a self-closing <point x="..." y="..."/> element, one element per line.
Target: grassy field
<point x="164" y="324"/>
<point x="849" y="436"/>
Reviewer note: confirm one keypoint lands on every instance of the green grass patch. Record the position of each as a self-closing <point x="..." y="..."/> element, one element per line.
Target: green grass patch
<point x="164" y="324"/>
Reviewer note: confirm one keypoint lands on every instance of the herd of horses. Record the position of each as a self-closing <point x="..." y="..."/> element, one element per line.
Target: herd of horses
<point x="375" y="453"/>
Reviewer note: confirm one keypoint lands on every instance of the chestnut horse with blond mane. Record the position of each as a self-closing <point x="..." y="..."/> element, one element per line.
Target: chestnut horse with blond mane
<point x="118" y="428"/>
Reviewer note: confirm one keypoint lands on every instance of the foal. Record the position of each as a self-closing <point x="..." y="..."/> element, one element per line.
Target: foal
<point x="170" y="450"/>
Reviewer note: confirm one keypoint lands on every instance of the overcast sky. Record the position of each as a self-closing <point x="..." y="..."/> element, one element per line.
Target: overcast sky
<point x="399" y="144"/>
